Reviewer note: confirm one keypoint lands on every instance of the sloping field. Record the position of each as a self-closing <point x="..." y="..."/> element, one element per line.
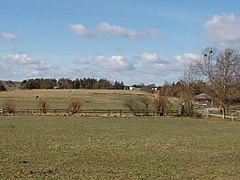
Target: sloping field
<point x="59" y="99"/>
<point x="68" y="147"/>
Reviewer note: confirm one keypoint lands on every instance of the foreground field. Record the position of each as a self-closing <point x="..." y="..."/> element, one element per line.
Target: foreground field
<point x="139" y="148"/>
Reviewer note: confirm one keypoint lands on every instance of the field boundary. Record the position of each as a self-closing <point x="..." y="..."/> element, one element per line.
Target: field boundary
<point x="86" y="112"/>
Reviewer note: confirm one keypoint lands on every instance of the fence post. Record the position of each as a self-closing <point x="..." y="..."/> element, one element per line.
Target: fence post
<point x="2" y="111"/>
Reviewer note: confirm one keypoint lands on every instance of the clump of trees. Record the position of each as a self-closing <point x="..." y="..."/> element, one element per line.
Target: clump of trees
<point x="66" y="83"/>
<point x="216" y="73"/>
<point x="221" y="71"/>
<point x="159" y="104"/>
<point x="39" y="83"/>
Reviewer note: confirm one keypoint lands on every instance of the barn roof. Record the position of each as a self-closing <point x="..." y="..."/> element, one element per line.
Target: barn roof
<point x="202" y="96"/>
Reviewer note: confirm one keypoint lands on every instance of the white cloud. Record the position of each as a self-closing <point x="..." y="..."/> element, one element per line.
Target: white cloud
<point x="104" y="30"/>
<point x="150" y="57"/>
<point x="179" y="62"/>
<point x="20" y="59"/>
<point x="224" y="30"/>
<point x="107" y="29"/>
<point x="152" y="62"/>
<point x="176" y="64"/>
<point x="6" y="36"/>
<point x="155" y="33"/>
<point x="185" y="58"/>
<point x="80" y="30"/>
<point x="113" y="63"/>
<point x="23" y="66"/>
<point x="146" y="68"/>
<point x="81" y="61"/>
<point x="43" y="67"/>
<point x="160" y="66"/>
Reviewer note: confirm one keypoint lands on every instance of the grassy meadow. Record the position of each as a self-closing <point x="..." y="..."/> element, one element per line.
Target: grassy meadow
<point x="59" y="99"/>
<point x="73" y="147"/>
<point x="77" y="147"/>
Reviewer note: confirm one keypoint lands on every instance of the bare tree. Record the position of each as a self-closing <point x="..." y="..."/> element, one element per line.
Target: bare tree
<point x="133" y="106"/>
<point x="162" y="104"/>
<point x="221" y="69"/>
<point x="189" y="79"/>
<point x="146" y="105"/>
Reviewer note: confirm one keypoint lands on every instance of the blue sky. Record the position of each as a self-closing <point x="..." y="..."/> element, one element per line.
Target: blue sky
<point x="135" y="41"/>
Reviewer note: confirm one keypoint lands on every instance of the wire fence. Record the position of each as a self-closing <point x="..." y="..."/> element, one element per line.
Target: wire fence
<point x="87" y="112"/>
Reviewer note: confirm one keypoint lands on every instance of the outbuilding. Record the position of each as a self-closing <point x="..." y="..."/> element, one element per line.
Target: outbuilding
<point x="203" y="99"/>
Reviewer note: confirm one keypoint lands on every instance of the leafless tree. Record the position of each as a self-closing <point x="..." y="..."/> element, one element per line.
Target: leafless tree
<point x="146" y="105"/>
<point x="190" y="78"/>
<point x="162" y="104"/>
<point x="133" y="106"/>
<point x="221" y="69"/>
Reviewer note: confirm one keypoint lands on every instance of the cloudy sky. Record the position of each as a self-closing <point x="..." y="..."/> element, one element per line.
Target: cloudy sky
<point x="135" y="41"/>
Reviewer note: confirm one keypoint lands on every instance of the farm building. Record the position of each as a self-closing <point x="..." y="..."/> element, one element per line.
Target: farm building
<point x="203" y="99"/>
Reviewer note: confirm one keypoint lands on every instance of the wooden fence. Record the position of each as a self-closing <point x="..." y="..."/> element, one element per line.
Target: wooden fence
<point x="89" y="112"/>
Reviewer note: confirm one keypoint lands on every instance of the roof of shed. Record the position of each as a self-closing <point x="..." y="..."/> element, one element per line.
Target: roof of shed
<point x="202" y="96"/>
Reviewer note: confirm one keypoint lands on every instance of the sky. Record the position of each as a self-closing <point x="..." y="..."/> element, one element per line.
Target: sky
<point x="134" y="41"/>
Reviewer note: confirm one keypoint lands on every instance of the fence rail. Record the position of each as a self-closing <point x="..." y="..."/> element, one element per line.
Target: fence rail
<point x="109" y="112"/>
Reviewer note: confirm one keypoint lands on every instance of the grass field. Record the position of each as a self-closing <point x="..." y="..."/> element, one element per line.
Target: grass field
<point x="72" y="147"/>
<point x="59" y="99"/>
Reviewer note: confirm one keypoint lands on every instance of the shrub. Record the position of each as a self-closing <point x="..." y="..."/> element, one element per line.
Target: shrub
<point x="146" y="102"/>
<point x="163" y="104"/>
<point x="134" y="106"/>
<point x="9" y="107"/>
<point x="43" y="103"/>
<point x="74" y="106"/>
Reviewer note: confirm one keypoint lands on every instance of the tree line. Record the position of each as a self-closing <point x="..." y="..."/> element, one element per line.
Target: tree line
<point x="66" y="83"/>
<point x="220" y="71"/>
<point x="216" y="72"/>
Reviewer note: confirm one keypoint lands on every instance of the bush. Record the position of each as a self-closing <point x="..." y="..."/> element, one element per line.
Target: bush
<point x="163" y="104"/>
<point x="9" y="107"/>
<point x="43" y="105"/>
<point x="74" y="106"/>
<point x="137" y="106"/>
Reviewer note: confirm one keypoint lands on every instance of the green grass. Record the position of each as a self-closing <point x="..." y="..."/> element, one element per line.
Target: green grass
<point x="72" y="147"/>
